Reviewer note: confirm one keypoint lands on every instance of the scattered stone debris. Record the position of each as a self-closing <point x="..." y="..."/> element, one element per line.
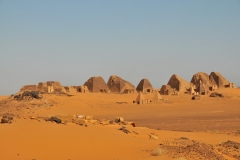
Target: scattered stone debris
<point x="237" y="132"/>
<point x="129" y="123"/>
<point x="119" y="119"/>
<point x="83" y="120"/>
<point x="88" y="117"/>
<point x="184" y="138"/>
<point x="230" y="148"/>
<point x="153" y="136"/>
<point x="27" y="95"/>
<point x="189" y="149"/>
<point x="157" y="152"/>
<point x="33" y="117"/>
<point x="133" y="124"/>
<point x="104" y="122"/>
<point x="124" y="129"/>
<point x="55" y="119"/>
<point x="121" y="102"/>
<point x="80" y="116"/>
<point x="7" y="118"/>
<point x="215" y="94"/>
<point x="196" y="97"/>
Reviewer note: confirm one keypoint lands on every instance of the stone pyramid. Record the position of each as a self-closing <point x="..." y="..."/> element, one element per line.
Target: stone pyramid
<point x="157" y="97"/>
<point x="118" y="85"/>
<point x="140" y="99"/>
<point x="96" y="84"/>
<point x="145" y="86"/>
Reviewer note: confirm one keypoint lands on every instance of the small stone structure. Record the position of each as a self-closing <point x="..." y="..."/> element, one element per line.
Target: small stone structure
<point x="96" y="85"/>
<point x="118" y="85"/>
<point x="50" y="88"/>
<point x="201" y="89"/>
<point x="231" y="85"/>
<point x="192" y="89"/>
<point x="83" y="89"/>
<point x="145" y="86"/>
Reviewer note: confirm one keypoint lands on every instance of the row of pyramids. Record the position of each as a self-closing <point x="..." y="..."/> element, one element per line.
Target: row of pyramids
<point x="116" y="84"/>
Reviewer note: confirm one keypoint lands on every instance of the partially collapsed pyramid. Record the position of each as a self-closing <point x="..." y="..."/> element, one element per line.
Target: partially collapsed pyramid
<point x="118" y="85"/>
<point x="76" y="89"/>
<point x="179" y="84"/>
<point x="203" y="77"/>
<point x="96" y="84"/>
<point x="201" y="83"/>
<point x="55" y="86"/>
<point x="210" y="82"/>
<point x="167" y="90"/>
<point x="145" y="86"/>
<point x="46" y="87"/>
<point x="29" y="88"/>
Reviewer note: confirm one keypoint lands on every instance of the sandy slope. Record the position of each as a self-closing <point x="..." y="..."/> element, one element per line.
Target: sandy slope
<point x="30" y="139"/>
<point x="206" y="114"/>
<point x="209" y="121"/>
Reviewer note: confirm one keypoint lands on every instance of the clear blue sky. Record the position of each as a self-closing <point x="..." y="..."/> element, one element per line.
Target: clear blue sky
<point x="70" y="41"/>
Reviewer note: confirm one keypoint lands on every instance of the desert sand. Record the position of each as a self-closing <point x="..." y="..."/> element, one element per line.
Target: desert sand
<point x="174" y="128"/>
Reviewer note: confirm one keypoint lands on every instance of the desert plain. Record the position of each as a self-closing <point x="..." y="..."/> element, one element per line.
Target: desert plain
<point x="177" y="127"/>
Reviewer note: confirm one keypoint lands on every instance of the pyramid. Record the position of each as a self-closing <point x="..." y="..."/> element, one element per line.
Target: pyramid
<point x="217" y="79"/>
<point x="96" y="84"/>
<point x="140" y="99"/>
<point x="157" y="97"/>
<point x="46" y="87"/>
<point x="145" y="86"/>
<point x="55" y="86"/>
<point x="118" y="85"/>
<point x="166" y="90"/>
<point x="180" y="84"/>
<point x="204" y="78"/>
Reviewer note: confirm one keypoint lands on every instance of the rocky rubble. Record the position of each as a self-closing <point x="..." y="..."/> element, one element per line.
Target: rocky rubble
<point x="230" y="148"/>
<point x="85" y="120"/>
<point x="7" y="118"/>
<point x="196" y="97"/>
<point x="29" y="95"/>
<point x="190" y="149"/>
<point x="215" y="94"/>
